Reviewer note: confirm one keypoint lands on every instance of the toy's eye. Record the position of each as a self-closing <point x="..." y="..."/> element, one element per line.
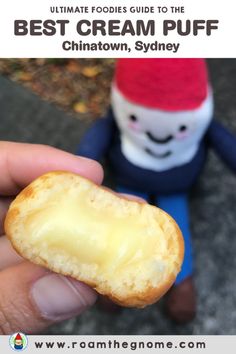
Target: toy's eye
<point x="182" y="128"/>
<point x="133" y="118"/>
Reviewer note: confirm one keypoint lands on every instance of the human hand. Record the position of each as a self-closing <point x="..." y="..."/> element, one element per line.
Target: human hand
<point x="31" y="297"/>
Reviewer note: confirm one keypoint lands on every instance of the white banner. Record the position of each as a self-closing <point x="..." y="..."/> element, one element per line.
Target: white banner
<point x="117" y="344"/>
<point x="90" y="28"/>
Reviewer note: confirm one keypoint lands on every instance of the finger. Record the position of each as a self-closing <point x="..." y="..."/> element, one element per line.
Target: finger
<point x="132" y="197"/>
<point x="21" y="163"/>
<point x="31" y="298"/>
<point x="125" y="195"/>
<point x="8" y="256"/>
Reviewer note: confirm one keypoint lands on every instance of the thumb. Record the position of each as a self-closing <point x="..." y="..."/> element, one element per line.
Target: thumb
<point x="32" y="298"/>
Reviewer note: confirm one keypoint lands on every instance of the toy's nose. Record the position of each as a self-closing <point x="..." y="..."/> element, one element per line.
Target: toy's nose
<point x="158" y="140"/>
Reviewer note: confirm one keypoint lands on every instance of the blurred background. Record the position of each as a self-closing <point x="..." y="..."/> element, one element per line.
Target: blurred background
<point x="53" y="101"/>
<point x="75" y="85"/>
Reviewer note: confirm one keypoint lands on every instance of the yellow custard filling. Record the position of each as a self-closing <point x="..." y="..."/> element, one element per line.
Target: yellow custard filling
<point x="96" y="235"/>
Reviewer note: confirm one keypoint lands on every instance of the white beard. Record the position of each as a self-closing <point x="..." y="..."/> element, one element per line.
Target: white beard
<point x="139" y="157"/>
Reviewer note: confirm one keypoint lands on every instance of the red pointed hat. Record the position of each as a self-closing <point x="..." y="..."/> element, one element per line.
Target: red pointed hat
<point x="166" y="84"/>
<point x="18" y="337"/>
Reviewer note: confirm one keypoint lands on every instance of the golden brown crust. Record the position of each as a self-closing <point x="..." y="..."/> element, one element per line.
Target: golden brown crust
<point x="133" y="298"/>
<point x="151" y="295"/>
<point x="140" y="300"/>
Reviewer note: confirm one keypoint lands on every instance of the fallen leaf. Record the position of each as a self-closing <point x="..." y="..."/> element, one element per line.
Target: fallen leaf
<point x="91" y="71"/>
<point x="25" y="76"/>
<point x="22" y="76"/>
<point x="40" y="61"/>
<point x="24" y="60"/>
<point x="80" y="107"/>
<point x="73" y="67"/>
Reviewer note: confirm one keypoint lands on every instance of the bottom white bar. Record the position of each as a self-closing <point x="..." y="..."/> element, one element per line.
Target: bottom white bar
<point x="116" y="344"/>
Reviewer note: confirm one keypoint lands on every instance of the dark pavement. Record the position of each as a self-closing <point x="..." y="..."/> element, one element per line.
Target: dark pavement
<point x="25" y="117"/>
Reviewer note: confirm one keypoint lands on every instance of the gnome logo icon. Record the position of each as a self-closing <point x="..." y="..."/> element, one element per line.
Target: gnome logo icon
<point x="18" y="341"/>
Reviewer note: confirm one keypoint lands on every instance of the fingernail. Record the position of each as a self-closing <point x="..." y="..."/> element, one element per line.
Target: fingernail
<point x="58" y="297"/>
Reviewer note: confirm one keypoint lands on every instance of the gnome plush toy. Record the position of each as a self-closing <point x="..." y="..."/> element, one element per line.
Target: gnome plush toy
<point x="155" y="137"/>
